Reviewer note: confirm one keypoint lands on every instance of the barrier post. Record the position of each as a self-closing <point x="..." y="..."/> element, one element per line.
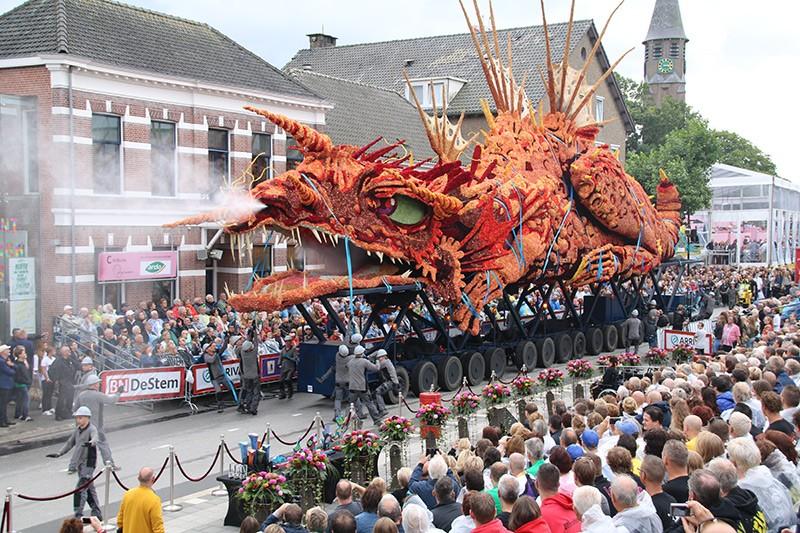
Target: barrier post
<point x="221" y="490"/>
<point x="400" y="403"/>
<point x="320" y="432"/>
<point x="107" y="469"/>
<point x="9" y="496"/>
<point x="354" y="420"/>
<point x="171" y="507"/>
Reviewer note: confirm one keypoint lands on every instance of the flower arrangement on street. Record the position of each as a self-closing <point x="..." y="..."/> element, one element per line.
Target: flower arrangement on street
<point x="608" y="360"/>
<point x="308" y="463"/>
<point x="433" y="414"/>
<point x="523" y="385"/>
<point x="682" y="353"/>
<point x="495" y="393"/>
<point x="263" y="489"/>
<point x="466" y="403"/>
<point x="630" y="359"/>
<point x="396" y="429"/>
<point x="359" y="443"/>
<point x="580" y="368"/>
<point x="657" y="356"/>
<point x="552" y="377"/>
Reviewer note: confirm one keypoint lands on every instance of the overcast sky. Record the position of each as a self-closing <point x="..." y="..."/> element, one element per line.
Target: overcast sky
<point x="742" y="57"/>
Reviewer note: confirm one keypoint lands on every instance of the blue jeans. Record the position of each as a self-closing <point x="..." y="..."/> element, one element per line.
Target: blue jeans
<point x="22" y="401"/>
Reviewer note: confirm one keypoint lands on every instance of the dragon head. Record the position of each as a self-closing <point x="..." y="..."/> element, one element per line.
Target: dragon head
<point x="361" y="210"/>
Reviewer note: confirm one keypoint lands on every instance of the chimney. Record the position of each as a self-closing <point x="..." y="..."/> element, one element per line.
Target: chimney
<point x="321" y="40"/>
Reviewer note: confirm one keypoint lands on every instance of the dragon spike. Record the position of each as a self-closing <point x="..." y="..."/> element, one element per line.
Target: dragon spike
<point x="478" y="48"/>
<point x="551" y="89"/>
<point x="361" y="151"/>
<point x="309" y="139"/>
<point x="373" y="156"/>
<point x="589" y="58"/>
<point x="565" y="60"/>
<point x="594" y="87"/>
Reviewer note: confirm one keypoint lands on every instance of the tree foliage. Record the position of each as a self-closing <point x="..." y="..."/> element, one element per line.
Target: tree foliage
<point x="678" y="139"/>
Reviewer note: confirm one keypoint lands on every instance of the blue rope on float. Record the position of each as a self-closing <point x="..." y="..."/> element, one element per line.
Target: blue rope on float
<point x="519" y="239"/>
<point x="511" y="245"/>
<point x="466" y="300"/>
<point x="346" y="245"/>
<point x="558" y="232"/>
<point x="260" y="263"/>
<point x="600" y="266"/>
<point x="387" y="284"/>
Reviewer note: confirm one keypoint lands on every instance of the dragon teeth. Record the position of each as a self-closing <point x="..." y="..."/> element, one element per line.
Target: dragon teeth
<point x="316" y="235"/>
<point x="336" y="239"/>
<point x="380" y="256"/>
<point x="406" y="274"/>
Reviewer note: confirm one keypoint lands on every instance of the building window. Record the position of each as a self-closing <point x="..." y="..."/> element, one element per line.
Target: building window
<point x="107" y="157"/>
<point x="261" y="150"/>
<point x="674" y="50"/>
<point x="18" y="130"/>
<point x="657" y="51"/>
<point x="217" y="160"/>
<point x="426" y="92"/>
<point x="599" y="102"/>
<point x="162" y="158"/>
<point x="293" y="156"/>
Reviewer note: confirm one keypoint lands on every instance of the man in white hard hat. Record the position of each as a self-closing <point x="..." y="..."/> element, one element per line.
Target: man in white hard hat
<point x="87" y="369"/>
<point x="651" y="324"/>
<point x="341" y="387"/>
<point x="288" y="361"/>
<point x="84" y="437"/>
<point x="389" y="381"/>
<point x="633" y="330"/>
<point x="94" y="400"/>
<point x="359" y="393"/>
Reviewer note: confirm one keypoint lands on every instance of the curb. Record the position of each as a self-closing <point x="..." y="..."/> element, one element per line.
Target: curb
<point x="49" y="439"/>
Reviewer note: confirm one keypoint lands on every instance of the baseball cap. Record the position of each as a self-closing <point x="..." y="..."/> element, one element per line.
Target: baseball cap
<point x="628" y="427"/>
<point x="4" y="347"/>
<point x="589" y="438"/>
<point x="574" y="451"/>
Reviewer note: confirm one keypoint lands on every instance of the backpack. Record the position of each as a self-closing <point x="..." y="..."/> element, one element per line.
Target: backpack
<point x="530" y="488"/>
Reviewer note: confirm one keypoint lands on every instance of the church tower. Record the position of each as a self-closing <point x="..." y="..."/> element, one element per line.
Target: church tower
<point x="665" y="53"/>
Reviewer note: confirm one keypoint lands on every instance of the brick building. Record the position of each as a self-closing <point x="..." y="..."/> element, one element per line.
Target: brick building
<point x="116" y="120"/>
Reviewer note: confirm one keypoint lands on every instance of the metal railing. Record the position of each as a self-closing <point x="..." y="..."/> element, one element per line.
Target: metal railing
<point x="106" y="356"/>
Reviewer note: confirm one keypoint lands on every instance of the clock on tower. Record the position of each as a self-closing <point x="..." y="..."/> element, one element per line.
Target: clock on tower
<point x="665" y="65"/>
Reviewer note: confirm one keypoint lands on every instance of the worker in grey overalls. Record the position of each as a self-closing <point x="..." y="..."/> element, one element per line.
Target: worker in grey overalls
<point x="94" y="400"/>
<point x="359" y="393"/>
<point x="389" y="381"/>
<point x="84" y="437"/>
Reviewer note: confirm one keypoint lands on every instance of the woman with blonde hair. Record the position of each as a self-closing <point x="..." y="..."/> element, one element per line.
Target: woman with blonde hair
<point x="629" y="407"/>
<point x="680" y="410"/>
<point x="709" y="446"/>
<point x="694" y="462"/>
<point x="316" y="520"/>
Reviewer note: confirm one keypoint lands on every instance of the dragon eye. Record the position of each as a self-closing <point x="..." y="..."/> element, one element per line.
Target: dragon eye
<point x="404" y="210"/>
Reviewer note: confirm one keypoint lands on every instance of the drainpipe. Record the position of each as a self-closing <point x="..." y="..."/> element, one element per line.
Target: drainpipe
<point x="72" y="262"/>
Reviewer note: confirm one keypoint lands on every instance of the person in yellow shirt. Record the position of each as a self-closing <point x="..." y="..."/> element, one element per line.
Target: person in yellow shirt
<point x="692" y="425"/>
<point x="140" y="510"/>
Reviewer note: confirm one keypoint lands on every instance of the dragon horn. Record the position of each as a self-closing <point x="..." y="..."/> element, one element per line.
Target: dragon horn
<point x="307" y="138"/>
<point x="565" y="60"/>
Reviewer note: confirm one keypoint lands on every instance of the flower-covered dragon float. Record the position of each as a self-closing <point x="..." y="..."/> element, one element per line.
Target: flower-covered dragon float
<point x="536" y="201"/>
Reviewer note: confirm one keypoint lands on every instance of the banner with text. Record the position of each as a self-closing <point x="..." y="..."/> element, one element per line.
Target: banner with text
<point x="145" y="383"/>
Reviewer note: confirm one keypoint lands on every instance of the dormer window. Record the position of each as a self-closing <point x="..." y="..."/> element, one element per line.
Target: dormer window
<point x="438" y="90"/>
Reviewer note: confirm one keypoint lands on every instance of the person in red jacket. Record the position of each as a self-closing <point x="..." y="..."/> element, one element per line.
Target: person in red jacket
<point x="483" y="514"/>
<point x="556" y="506"/>
<point x="526" y="517"/>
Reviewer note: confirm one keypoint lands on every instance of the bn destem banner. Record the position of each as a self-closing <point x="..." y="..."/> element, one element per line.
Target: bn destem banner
<point x="145" y="383"/>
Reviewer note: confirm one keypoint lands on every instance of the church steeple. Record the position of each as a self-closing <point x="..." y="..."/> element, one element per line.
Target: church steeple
<point x="665" y="52"/>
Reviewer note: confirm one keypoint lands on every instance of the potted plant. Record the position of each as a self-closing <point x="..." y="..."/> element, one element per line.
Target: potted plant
<point x="580" y="369"/>
<point x="396" y="429"/>
<point x="360" y="448"/>
<point x="630" y="359"/>
<point x="307" y="470"/>
<point x="432" y="417"/>
<point x="263" y="492"/>
<point x="682" y="354"/>
<point x="656" y="357"/>
<point x="495" y="394"/>
<point x="551" y="377"/>
<point x="465" y="404"/>
<point x="523" y="385"/>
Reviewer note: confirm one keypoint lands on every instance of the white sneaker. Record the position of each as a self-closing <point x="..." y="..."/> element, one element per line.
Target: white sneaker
<point x="49" y="412"/>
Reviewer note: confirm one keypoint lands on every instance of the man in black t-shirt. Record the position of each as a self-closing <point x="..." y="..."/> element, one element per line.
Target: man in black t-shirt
<point x="676" y="458"/>
<point x="771" y="405"/>
<point x="652" y="473"/>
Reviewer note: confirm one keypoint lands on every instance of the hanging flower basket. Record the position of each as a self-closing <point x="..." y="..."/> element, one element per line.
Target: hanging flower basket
<point x="432" y="416"/>
<point x="396" y="429"/>
<point x="682" y="354"/>
<point x="580" y="369"/>
<point x="360" y="448"/>
<point x="523" y="386"/>
<point x="466" y="403"/>
<point x="657" y="357"/>
<point x="307" y="469"/>
<point x="495" y="394"/>
<point x="608" y="360"/>
<point x="262" y="492"/>
<point x="552" y="377"/>
<point x="630" y="359"/>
